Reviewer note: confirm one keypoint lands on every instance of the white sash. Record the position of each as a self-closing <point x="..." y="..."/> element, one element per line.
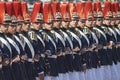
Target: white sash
<point x="19" y="41"/>
<point x="113" y="33"/>
<point x="52" y="42"/>
<point x="60" y="37"/>
<point x="117" y="30"/>
<point x="84" y="37"/>
<point x="6" y="43"/>
<point x="94" y="37"/>
<point x="77" y="38"/>
<point x="68" y="38"/>
<point x="14" y="44"/>
<point x="30" y="46"/>
<point x="102" y="33"/>
<point x="41" y="40"/>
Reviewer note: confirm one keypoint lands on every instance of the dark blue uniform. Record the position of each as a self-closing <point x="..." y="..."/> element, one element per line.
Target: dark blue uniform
<point x="117" y="30"/>
<point x="85" y="44"/>
<point x="29" y="65"/>
<point x="68" y="47"/>
<point x="102" y="53"/>
<point x="60" y="43"/>
<point x="6" y="55"/>
<point x="18" y="41"/>
<point x="39" y="47"/>
<point x="16" y="67"/>
<point x="50" y="47"/>
<point x="90" y="56"/>
<point x="110" y="37"/>
<point x="76" y="43"/>
<point x="115" y="40"/>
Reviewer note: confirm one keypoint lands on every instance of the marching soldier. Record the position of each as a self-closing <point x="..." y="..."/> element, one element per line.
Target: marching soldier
<point x="111" y="38"/>
<point x="60" y="43"/>
<point x="16" y="66"/>
<point x="84" y="39"/>
<point x="37" y="39"/>
<point x="29" y="63"/>
<point x="68" y="43"/>
<point x="5" y="47"/>
<point x="114" y="54"/>
<point x="117" y="29"/>
<point x="18" y="40"/>
<point x="102" y="39"/>
<point x="91" y="55"/>
<point x="75" y="39"/>
<point x="51" y="69"/>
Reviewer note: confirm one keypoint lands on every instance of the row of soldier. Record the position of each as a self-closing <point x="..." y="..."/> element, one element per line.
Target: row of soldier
<point x="65" y="41"/>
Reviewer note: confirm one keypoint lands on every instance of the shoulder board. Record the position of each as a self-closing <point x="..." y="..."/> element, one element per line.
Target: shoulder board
<point x="119" y="26"/>
<point x="32" y="35"/>
<point x="61" y="33"/>
<point x="76" y="29"/>
<point x="105" y="29"/>
<point x="68" y="30"/>
<point x="86" y="30"/>
<point x="52" y="31"/>
<point x="45" y="37"/>
<point x="21" y="38"/>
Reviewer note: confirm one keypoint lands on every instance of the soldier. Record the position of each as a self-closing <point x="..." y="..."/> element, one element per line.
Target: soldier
<point x="18" y="40"/>
<point x="16" y="68"/>
<point x="102" y="39"/>
<point x="51" y="69"/>
<point x="90" y="56"/>
<point x="5" y="47"/>
<point x="117" y="28"/>
<point x="84" y="39"/>
<point x="75" y="39"/>
<point x="111" y="38"/>
<point x="29" y="64"/>
<point x="68" y="43"/>
<point x="114" y="54"/>
<point x="37" y="39"/>
<point x="60" y="43"/>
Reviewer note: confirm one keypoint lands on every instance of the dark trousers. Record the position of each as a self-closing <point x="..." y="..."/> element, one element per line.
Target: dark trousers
<point x="7" y="73"/>
<point x="30" y="70"/>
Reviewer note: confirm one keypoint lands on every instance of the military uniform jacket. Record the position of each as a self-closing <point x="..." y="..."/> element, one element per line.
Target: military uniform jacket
<point x="37" y="41"/>
<point x="68" y="41"/>
<point x="75" y="39"/>
<point x="5" y="47"/>
<point x="13" y="45"/>
<point x="20" y="44"/>
<point x="49" y="40"/>
<point x="27" y="44"/>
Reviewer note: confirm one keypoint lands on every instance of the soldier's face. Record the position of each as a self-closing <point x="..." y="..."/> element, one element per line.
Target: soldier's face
<point x="73" y="23"/>
<point x="36" y="26"/>
<point x="81" y="24"/>
<point x="94" y="23"/>
<point x="99" y="22"/>
<point x="57" y="24"/>
<point x="88" y="23"/>
<point x="11" y="29"/>
<point x="65" y="24"/>
<point x="18" y="28"/>
<point x="107" y="21"/>
<point x="4" y="28"/>
<point x="117" y="22"/>
<point x="48" y="26"/>
<point x="112" y="22"/>
<point x="26" y="27"/>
